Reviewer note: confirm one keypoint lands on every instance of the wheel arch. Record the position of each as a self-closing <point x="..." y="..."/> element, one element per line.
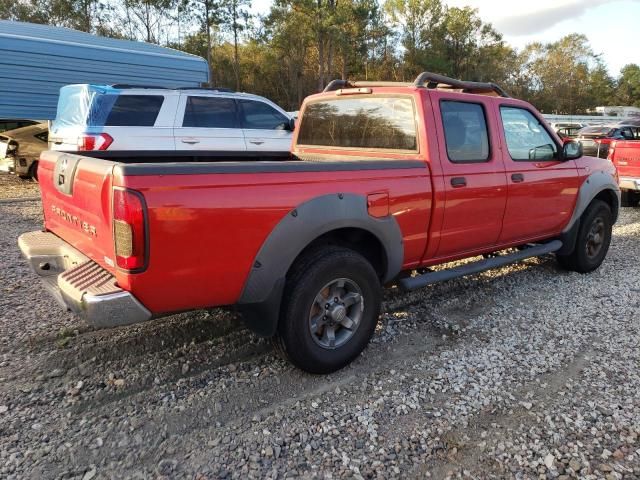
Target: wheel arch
<point x="334" y="219"/>
<point x="599" y="185"/>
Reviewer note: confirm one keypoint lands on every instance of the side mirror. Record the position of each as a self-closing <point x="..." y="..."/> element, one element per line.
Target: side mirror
<point x="572" y="150"/>
<point x="292" y="124"/>
<point x="542" y="152"/>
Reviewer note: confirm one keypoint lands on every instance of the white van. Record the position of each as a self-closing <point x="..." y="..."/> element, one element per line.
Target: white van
<point x="121" y="117"/>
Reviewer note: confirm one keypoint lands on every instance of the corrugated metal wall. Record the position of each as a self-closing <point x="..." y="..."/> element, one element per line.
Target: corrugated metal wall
<point x="36" y="60"/>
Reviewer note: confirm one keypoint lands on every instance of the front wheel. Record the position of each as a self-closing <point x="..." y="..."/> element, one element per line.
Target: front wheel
<point x="593" y="240"/>
<point x="330" y="309"/>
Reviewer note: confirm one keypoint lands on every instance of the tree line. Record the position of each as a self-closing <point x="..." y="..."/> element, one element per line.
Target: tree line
<point x="297" y="47"/>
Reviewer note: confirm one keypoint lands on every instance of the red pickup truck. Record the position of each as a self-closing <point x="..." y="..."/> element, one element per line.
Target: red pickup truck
<point x="384" y="180"/>
<point x="625" y="155"/>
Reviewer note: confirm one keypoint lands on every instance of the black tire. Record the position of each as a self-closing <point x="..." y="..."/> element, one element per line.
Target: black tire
<point x="33" y="171"/>
<point x="311" y="278"/>
<point x="629" y="198"/>
<point x="593" y="239"/>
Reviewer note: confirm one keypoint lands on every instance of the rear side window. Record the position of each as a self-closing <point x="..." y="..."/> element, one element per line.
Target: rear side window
<point x="526" y="138"/>
<point x="134" y="111"/>
<point x="364" y="122"/>
<point x="465" y="131"/>
<point x="259" y="115"/>
<point x="210" y="112"/>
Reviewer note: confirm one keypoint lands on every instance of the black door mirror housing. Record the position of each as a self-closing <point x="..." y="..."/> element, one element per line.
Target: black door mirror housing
<point x="292" y="124"/>
<point x="572" y="150"/>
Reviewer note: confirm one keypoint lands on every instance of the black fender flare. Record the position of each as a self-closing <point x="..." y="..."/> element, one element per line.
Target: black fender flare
<point x="595" y="184"/>
<point x="260" y="299"/>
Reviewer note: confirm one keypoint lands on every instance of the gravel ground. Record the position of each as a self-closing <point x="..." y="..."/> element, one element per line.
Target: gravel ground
<point x="524" y="372"/>
<point x="12" y="187"/>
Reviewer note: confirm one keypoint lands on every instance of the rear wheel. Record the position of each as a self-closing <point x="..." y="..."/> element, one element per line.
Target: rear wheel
<point x="630" y="198"/>
<point x="330" y="309"/>
<point x="593" y="240"/>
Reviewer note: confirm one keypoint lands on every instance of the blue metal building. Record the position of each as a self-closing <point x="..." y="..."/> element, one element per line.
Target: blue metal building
<point x="36" y="60"/>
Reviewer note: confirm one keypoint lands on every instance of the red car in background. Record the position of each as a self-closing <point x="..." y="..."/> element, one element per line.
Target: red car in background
<point x="625" y="155"/>
<point x="597" y="138"/>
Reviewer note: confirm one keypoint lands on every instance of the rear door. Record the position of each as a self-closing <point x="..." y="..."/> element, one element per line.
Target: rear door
<point x="140" y="122"/>
<point x="208" y="123"/>
<point x="542" y="189"/>
<point x="474" y="175"/>
<point x="264" y="127"/>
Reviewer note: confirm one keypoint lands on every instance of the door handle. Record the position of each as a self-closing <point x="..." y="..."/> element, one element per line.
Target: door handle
<point x="457" y="182"/>
<point x="256" y="142"/>
<point x="517" y="177"/>
<point x="190" y="142"/>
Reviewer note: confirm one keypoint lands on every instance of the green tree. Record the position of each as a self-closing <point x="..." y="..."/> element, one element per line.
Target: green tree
<point x="234" y="18"/>
<point x="148" y="19"/>
<point x="420" y="23"/>
<point x="628" y="88"/>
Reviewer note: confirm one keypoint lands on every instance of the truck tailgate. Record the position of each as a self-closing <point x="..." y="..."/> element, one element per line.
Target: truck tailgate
<point x="76" y="199"/>
<point x="626" y="158"/>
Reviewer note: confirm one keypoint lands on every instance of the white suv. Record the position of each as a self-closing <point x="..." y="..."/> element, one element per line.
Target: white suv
<point x="120" y="117"/>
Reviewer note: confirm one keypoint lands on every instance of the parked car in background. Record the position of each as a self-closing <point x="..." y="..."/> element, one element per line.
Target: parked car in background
<point x="123" y="118"/>
<point x="386" y="180"/>
<point x="21" y="148"/>
<point x="632" y="121"/>
<point x="567" y="129"/>
<point x="7" y="124"/>
<point x="596" y="139"/>
<point x="625" y="155"/>
<point x="568" y="132"/>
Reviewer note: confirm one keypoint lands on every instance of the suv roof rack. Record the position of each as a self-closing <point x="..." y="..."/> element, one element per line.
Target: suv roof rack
<point x="212" y="89"/>
<point x="123" y="86"/>
<point x="426" y="80"/>
<point x="155" y="87"/>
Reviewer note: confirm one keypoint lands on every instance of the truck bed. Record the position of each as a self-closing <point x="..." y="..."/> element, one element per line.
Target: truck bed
<point x="207" y="219"/>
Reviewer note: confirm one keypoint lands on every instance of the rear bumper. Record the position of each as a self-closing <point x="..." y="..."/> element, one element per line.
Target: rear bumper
<point x="629" y="183"/>
<point x="78" y="283"/>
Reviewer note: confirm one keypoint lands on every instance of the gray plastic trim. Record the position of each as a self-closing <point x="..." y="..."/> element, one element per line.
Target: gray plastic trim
<point x="296" y="231"/>
<point x="594" y="184"/>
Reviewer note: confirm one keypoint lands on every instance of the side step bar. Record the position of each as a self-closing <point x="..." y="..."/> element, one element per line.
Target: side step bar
<point x="413" y="283"/>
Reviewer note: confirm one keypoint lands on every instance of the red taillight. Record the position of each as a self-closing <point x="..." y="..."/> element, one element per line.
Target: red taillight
<point x="100" y="141"/>
<point x="129" y="229"/>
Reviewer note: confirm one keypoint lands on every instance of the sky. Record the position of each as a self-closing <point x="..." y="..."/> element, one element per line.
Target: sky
<point x="610" y="25"/>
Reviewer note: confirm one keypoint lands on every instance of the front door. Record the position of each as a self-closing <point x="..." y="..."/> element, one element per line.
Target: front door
<point x="265" y="128"/>
<point x="473" y="174"/>
<point x="541" y="188"/>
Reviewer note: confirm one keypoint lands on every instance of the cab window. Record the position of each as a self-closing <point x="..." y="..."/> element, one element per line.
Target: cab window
<point x="380" y="122"/>
<point x="527" y="139"/>
<point x="465" y="131"/>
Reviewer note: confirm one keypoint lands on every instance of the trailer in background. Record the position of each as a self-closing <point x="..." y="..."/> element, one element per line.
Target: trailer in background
<point x="37" y="60"/>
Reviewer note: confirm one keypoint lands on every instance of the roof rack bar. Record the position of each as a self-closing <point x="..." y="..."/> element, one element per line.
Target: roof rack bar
<point x="123" y="86"/>
<point x="425" y="79"/>
<point x="432" y="80"/>
<point x="339" y="84"/>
